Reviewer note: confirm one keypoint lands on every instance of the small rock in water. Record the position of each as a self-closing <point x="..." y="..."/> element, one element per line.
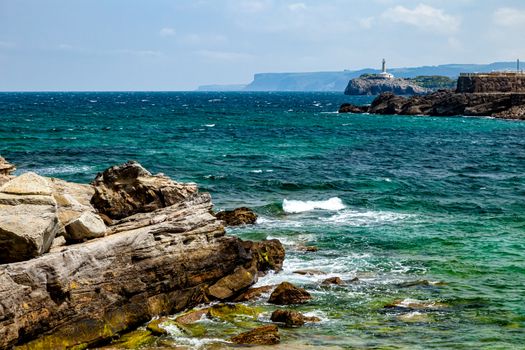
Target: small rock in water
<point x="287" y="294"/>
<point x="333" y="280"/>
<point x="292" y="318"/>
<point x="253" y="293"/>
<point x="267" y="335"/>
<point x="354" y="280"/>
<point x="227" y="286"/>
<point x="307" y="248"/>
<point x="237" y="217"/>
<point x="192" y="316"/>
<point x="309" y="272"/>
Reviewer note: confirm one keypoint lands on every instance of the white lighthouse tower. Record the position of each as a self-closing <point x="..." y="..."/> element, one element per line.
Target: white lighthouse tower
<point x="384" y="73"/>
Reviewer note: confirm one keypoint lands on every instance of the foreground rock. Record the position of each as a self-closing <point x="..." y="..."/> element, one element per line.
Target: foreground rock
<point x="267" y="335"/>
<point x="447" y="103"/>
<point x="160" y="260"/>
<point x="372" y="85"/>
<point x="28" y="218"/>
<point x="128" y="189"/>
<point x="237" y="217"/>
<point x="292" y="318"/>
<point x="288" y="294"/>
<point x="6" y="170"/>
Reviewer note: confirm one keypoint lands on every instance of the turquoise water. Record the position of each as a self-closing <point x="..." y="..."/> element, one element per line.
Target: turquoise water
<point x="396" y="199"/>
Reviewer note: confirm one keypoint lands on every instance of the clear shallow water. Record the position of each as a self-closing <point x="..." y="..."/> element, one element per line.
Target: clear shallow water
<point x="387" y="199"/>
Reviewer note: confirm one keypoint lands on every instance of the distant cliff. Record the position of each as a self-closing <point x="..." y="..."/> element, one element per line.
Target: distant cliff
<point x="373" y="85"/>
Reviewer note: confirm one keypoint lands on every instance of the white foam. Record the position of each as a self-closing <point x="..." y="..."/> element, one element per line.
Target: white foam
<point x="365" y="218"/>
<point x="209" y="125"/>
<point x="294" y="206"/>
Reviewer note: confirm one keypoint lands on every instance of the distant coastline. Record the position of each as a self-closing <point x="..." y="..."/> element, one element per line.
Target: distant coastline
<point x="338" y="80"/>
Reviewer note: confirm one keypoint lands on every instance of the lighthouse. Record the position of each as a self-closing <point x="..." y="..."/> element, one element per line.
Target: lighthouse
<point x="384" y="73"/>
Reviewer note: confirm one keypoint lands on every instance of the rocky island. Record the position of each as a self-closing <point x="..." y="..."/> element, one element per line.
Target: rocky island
<point x="372" y="84"/>
<point x="81" y="264"/>
<point x="499" y="95"/>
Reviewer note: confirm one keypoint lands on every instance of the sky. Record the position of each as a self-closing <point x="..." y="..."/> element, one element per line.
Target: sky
<point x="172" y="45"/>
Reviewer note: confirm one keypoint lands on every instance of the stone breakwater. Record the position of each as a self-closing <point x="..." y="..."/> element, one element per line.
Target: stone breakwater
<point x="80" y="264"/>
<point x="446" y="103"/>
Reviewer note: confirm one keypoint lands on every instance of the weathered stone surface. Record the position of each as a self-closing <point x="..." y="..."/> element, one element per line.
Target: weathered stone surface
<point x="333" y="280"/>
<point x="516" y="112"/>
<point x="228" y="286"/>
<point x="267" y="335"/>
<point x="374" y="86"/>
<point x="87" y="226"/>
<point x="291" y="318"/>
<point x="6" y="168"/>
<point x="27" y="184"/>
<point x="237" y="217"/>
<point x="26" y="231"/>
<point x="127" y="189"/>
<point x="288" y="294"/>
<point x="28" y="218"/>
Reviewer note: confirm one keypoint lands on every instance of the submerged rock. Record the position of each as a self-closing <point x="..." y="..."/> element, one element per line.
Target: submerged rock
<point x="266" y="335"/>
<point x="128" y="189"/>
<point x="229" y="312"/>
<point x="333" y="280"/>
<point x="191" y="316"/>
<point x="292" y="318"/>
<point x="237" y="217"/>
<point x="288" y="294"/>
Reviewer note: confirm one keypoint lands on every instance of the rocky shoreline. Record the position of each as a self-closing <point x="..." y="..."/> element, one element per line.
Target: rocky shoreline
<point x="446" y="103"/>
<point x="83" y="264"/>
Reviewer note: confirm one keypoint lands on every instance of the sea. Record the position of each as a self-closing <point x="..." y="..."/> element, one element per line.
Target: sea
<point x="422" y="217"/>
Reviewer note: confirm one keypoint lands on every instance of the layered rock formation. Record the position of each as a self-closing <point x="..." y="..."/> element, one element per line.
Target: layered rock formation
<point x="6" y="169"/>
<point x="446" y="103"/>
<point x="162" y="252"/>
<point x="373" y="85"/>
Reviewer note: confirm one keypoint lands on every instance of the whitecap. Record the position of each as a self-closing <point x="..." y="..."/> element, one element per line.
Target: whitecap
<point x="365" y="218"/>
<point x="294" y="206"/>
<point x="258" y="171"/>
<point x="209" y="125"/>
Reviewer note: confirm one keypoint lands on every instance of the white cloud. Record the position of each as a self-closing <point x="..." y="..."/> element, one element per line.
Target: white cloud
<point x="224" y="55"/>
<point x="167" y="31"/>
<point x="252" y="6"/>
<point x="299" y="6"/>
<point x="424" y="17"/>
<point x="509" y="17"/>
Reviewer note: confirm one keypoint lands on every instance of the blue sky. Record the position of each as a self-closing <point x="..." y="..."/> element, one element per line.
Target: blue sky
<point x="180" y="44"/>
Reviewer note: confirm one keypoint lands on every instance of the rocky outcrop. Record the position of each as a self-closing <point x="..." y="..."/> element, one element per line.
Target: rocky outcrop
<point x="159" y="260"/>
<point x="128" y="189"/>
<point x="447" y="103"/>
<point x="288" y="294"/>
<point x="373" y="85"/>
<point x="237" y="217"/>
<point x="266" y="335"/>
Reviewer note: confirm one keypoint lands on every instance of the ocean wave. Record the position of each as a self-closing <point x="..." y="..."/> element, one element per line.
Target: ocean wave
<point x="63" y="170"/>
<point x="294" y="206"/>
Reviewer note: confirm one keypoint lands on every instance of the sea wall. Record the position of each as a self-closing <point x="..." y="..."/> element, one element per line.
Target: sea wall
<point x="491" y="83"/>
